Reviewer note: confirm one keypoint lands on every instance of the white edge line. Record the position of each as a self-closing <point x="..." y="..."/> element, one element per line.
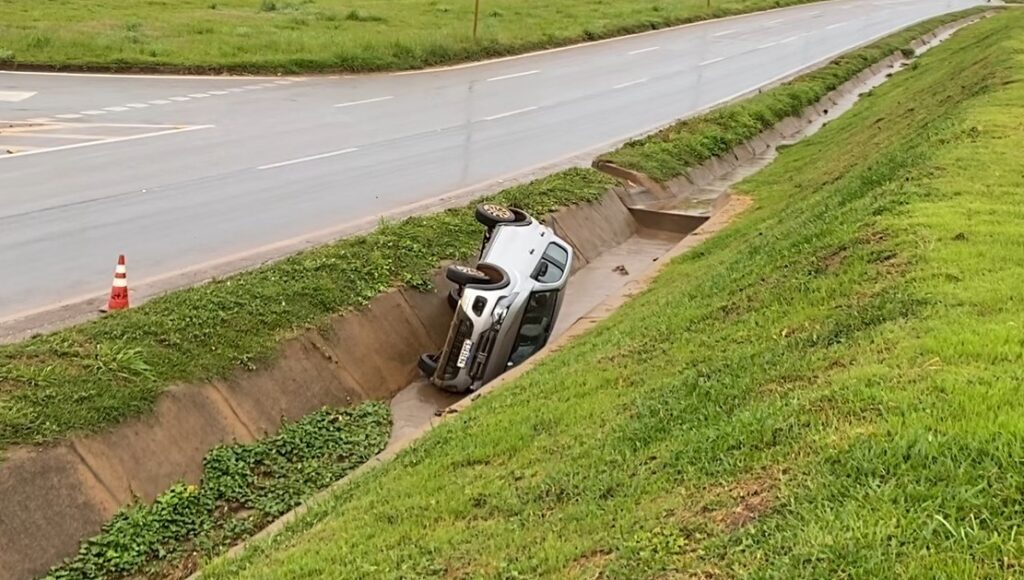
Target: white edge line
<point x="712" y="61"/>
<point x="513" y="75"/>
<point x="106" y="141"/>
<point x="143" y="76"/>
<point x="311" y="158"/>
<point x="642" y="50"/>
<point x="509" y="114"/>
<point x="630" y="83"/>
<point x="365" y="101"/>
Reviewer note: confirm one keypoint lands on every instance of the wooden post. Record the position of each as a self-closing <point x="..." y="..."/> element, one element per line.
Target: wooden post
<point x="476" y="17"/>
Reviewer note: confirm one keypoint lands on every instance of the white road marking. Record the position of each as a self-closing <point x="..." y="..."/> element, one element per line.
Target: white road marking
<point x="790" y="39"/>
<point x="159" y="102"/>
<point x="180" y="99"/>
<point x="712" y="61"/>
<point x="282" y="82"/>
<point x="199" y="95"/>
<point x="724" y="32"/>
<point x="776" y="21"/>
<point x="115" y="109"/>
<point x="312" y="158"/>
<point x="508" y="114"/>
<point x="769" y="45"/>
<point x="62" y="136"/>
<point x="40" y="120"/>
<point x="94" y="112"/>
<point x="106" y="141"/>
<point x="252" y="87"/>
<point x="236" y="89"/>
<point x="630" y="83"/>
<point x="642" y="50"/>
<point x="837" y="25"/>
<point x="513" y="75"/>
<point x="220" y="78"/>
<point x="267" y="85"/>
<point x="815" y="13"/>
<point x="16" y="96"/>
<point x="137" y="105"/>
<point x="365" y="101"/>
<point x="69" y="116"/>
<point x="218" y="92"/>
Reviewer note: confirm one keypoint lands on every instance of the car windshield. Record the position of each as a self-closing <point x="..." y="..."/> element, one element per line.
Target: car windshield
<point x="536" y="326"/>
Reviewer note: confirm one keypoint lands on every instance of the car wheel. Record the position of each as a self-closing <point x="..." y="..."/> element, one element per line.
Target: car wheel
<point x="453" y="298"/>
<point x="427" y="364"/>
<point x="492" y="214"/>
<point x="464" y="275"/>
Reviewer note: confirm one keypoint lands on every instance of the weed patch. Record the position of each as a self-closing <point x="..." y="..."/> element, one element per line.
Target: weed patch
<point x="244" y="487"/>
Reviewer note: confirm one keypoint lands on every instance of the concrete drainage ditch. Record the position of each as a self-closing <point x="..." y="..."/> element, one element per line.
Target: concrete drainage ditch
<point x="51" y="498"/>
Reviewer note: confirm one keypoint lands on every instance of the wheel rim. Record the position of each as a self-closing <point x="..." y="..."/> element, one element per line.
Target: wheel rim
<point x="499" y="211"/>
<point x="470" y="271"/>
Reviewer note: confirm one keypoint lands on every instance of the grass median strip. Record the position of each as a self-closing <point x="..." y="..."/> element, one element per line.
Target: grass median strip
<point x="830" y="387"/>
<point x="96" y="374"/>
<point x="244" y="487"/>
<point x="321" y="35"/>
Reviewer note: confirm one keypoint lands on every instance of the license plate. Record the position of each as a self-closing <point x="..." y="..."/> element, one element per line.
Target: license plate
<point x="464" y="353"/>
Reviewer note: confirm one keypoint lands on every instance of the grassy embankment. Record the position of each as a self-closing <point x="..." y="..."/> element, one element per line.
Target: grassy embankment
<point x="828" y="388"/>
<point x="320" y="35"/>
<point x="94" y="375"/>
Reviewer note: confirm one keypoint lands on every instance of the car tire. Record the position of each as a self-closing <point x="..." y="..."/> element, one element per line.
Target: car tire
<point x="453" y="297"/>
<point x="464" y="275"/>
<point x="492" y="214"/>
<point x="427" y="364"/>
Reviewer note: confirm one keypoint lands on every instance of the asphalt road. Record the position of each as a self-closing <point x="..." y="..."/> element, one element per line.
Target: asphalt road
<point x="190" y="175"/>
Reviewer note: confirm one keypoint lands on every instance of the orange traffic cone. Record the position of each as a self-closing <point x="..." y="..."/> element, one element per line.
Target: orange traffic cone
<point x="119" y="290"/>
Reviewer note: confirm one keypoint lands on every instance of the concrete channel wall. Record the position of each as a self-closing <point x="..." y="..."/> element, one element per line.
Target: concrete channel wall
<point x="53" y="497"/>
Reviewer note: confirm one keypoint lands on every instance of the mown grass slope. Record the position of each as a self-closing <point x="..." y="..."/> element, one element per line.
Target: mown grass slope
<point x="317" y="35"/>
<point x="829" y="388"/>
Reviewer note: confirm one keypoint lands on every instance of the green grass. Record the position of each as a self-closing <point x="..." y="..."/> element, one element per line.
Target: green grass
<point x="319" y="35"/>
<point x="244" y="488"/>
<point x="96" y="374"/>
<point x="828" y="388"/>
<point x="671" y="151"/>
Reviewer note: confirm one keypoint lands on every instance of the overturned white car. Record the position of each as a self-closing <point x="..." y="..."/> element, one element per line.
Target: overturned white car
<point x="505" y="306"/>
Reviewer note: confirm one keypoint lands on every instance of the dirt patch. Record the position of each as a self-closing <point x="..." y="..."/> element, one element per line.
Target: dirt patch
<point x="590" y="565"/>
<point x="751" y="498"/>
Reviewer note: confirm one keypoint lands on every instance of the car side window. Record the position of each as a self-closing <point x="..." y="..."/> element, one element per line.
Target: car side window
<point x="536" y="326"/>
<point x="552" y="264"/>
